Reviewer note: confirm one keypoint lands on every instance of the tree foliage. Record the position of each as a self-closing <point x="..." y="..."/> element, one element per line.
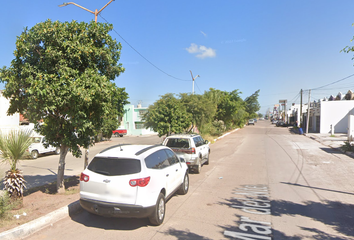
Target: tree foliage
<point x="61" y="78"/>
<point x="201" y="108"/>
<point x="213" y="112"/>
<point x="252" y="105"/>
<point x="167" y="115"/>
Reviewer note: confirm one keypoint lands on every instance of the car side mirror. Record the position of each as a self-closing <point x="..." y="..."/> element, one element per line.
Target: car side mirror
<point x="206" y="141"/>
<point x="182" y="159"/>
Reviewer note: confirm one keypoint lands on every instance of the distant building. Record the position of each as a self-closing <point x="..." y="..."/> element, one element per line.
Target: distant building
<point x="132" y="120"/>
<point x="7" y="122"/>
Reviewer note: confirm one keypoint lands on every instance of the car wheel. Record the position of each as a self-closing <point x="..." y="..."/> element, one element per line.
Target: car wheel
<point x="57" y="151"/>
<point x="199" y="166"/>
<point x="185" y="185"/>
<point x="34" y="154"/>
<point x="207" y="160"/>
<point x="120" y="135"/>
<point x="159" y="213"/>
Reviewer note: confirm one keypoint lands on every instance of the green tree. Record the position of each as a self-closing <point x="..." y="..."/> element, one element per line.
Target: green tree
<point x="252" y="105"/>
<point x="230" y="106"/>
<point x="13" y="146"/>
<point x="61" y="78"/>
<point x="201" y="108"/>
<point x="167" y="115"/>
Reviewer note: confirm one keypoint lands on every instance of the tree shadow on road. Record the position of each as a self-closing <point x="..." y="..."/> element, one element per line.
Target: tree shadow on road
<point x="337" y="215"/>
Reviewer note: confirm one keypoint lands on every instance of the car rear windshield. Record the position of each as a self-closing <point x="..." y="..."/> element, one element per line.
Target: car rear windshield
<point x="178" y="143"/>
<point x="114" y="166"/>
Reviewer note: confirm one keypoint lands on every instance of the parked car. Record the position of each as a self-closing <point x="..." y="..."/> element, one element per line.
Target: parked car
<point x="274" y="121"/>
<point x="192" y="147"/>
<point x="255" y="120"/>
<point x="133" y="181"/>
<point x="281" y="124"/>
<point x="251" y="122"/>
<point x="38" y="147"/>
<point x="120" y="131"/>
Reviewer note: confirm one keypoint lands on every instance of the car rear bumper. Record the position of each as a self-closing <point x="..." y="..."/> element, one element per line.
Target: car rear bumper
<point x="115" y="209"/>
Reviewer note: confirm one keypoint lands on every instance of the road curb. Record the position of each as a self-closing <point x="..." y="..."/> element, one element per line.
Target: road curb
<point x="35" y="225"/>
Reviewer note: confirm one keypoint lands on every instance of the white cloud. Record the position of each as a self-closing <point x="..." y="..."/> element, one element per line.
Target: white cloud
<point x="203" y="33"/>
<point x="201" y="51"/>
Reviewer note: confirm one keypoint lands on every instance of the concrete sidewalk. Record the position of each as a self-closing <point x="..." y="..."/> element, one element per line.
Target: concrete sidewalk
<point x="334" y="142"/>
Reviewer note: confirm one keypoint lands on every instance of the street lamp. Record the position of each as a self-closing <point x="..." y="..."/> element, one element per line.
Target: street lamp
<point x="193" y="80"/>
<point x="95" y="12"/>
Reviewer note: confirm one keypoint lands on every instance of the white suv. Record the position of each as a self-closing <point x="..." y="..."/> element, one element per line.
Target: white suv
<point x="133" y="181"/>
<point x="191" y="147"/>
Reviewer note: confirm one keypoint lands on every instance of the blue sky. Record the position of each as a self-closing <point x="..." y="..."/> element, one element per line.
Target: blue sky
<point x="277" y="46"/>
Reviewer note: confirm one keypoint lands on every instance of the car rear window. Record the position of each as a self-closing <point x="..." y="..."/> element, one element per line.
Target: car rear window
<point x="178" y="143"/>
<point x="114" y="166"/>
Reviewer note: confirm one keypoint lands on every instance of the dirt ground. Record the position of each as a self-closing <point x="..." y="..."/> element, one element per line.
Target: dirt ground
<point x="40" y="201"/>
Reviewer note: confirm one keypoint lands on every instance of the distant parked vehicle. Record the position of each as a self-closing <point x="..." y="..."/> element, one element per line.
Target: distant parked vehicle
<point x="281" y="124"/>
<point x="119" y="132"/>
<point x="37" y="147"/>
<point x="192" y="147"/>
<point x="251" y="122"/>
<point x="274" y="121"/>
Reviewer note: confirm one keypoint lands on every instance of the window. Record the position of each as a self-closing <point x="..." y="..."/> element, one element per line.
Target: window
<point x="178" y="143"/>
<point x="198" y="141"/>
<point x="139" y="125"/>
<point x="114" y="166"/>
<point x="172" y="158"/>
<point x="157" y="160"/>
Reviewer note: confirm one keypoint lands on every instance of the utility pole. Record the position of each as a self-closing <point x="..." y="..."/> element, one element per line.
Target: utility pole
<point x="300" y="123"/>
<point x="308" y="113"/>
<point x="193" y="81"/>
<point x="93" y="12"/>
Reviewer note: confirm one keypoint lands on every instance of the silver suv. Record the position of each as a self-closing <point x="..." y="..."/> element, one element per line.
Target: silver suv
<point x="192" y="147"/>
<point x="133" y="181"/>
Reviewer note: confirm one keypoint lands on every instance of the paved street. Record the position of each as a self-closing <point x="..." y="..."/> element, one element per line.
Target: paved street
<point x="262" y="183"/>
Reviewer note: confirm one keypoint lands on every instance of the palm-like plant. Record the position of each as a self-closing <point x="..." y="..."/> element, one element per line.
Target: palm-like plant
<point x="13" y="145"/>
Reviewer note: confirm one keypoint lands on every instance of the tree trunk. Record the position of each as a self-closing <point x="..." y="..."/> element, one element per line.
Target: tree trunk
<point x="61" y="168"/>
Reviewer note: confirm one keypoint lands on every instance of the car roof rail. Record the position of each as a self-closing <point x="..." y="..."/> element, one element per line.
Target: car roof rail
<point x="109" y="148"/>
<point x="146" y="149"/>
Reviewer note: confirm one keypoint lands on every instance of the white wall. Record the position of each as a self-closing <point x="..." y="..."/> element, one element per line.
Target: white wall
<point x="336" y="113"/>
<point x="7" y="122"/>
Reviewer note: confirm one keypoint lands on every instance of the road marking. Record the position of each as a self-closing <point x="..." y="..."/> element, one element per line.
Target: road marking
<point x="257" y="203"/>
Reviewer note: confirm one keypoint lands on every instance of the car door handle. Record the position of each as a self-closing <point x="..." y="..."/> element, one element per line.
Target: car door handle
<point x="167" y="175"/>
<point x="177" y="170"/>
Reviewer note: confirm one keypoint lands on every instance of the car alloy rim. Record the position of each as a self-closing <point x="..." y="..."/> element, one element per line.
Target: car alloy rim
<point x="161" y="209"/>
<point x="186" y="184"/>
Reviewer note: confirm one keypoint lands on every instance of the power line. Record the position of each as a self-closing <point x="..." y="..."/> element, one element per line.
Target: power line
<point x="143" y="56"/>
<point x="334" y="82"/>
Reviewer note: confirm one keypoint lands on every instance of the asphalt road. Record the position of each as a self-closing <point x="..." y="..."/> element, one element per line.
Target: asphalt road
<point x="262" y="183"/>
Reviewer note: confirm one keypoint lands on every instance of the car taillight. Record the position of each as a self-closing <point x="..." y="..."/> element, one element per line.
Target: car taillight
<point x="140" y="182"/>
<point x="84" y="177"/>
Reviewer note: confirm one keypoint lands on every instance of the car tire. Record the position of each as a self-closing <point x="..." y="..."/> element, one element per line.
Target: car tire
<point x="198" y="168"/>
<point x="57" y="151"/>
<point x="120" y="135"/>
<point x="207" y="160"/>
<point x="158" y="216"/>
<point x="34" y="154"/>
<point x="185" y="185"/>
